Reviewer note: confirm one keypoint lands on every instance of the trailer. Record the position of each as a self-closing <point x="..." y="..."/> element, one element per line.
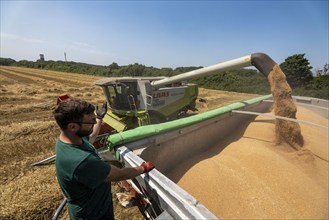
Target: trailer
<point x="169" y="143"/>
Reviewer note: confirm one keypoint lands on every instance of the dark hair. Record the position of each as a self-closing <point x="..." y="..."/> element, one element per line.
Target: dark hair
<point x="71" y="110"/>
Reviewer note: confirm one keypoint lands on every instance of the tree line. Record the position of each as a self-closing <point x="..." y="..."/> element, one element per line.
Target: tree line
<point x="296" y="68"/>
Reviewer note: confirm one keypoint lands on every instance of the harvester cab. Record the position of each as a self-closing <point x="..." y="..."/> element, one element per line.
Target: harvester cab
<point x="134" y="101"/>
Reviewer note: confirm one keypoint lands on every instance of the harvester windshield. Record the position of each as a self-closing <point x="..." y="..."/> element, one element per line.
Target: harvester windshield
<point x="122" y="96"/>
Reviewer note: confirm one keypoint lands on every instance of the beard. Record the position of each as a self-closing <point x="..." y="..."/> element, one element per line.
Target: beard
<point x="83" y="133"/>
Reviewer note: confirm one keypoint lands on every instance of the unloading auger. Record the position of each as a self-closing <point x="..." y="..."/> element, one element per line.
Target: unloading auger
<point x="261" y="61"/>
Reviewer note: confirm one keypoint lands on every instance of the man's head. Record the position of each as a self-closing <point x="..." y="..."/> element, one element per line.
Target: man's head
<point x="76" y="115"/>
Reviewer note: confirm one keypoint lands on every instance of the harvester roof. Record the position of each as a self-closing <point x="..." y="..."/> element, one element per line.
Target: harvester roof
<point x="115" y="80"/>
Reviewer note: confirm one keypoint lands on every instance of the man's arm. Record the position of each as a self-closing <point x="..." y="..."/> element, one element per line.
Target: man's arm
<point x="118" y="174"/>
<point x="96" y="129"/>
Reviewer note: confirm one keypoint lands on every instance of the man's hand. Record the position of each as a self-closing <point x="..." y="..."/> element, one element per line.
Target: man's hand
<point x="101" y="112"/>
<point x="148" y="166"/>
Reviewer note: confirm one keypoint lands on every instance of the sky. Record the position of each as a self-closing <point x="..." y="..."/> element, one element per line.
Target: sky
<point x="164" y="33"/>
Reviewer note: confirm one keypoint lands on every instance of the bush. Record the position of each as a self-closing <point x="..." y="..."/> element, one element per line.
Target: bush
<point x="7" y="61"/>
<point x="315" y="93"/>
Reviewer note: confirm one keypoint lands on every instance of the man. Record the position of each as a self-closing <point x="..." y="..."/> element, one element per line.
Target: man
<point x="83" y="177"/>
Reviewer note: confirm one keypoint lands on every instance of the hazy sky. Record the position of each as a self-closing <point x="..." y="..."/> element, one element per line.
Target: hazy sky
<point x="164" y="33"/>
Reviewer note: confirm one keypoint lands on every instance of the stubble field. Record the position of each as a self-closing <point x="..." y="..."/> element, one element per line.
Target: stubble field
<point x="28" y="132"/>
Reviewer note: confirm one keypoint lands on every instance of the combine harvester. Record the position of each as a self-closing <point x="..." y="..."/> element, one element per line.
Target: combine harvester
<point x="137" y="103"/>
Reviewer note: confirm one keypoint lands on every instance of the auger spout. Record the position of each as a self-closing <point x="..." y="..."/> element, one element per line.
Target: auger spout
<point x="263" y="63"/>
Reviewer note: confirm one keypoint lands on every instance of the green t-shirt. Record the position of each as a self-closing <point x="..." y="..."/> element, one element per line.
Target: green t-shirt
<point x="81" y="175"/>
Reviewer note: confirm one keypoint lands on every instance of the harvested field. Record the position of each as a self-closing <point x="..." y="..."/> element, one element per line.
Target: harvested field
<point x="28" y="133"/>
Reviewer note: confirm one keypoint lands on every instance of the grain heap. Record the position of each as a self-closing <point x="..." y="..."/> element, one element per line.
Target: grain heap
<point x="256" y="176"/>
<point x="252" y="178"/>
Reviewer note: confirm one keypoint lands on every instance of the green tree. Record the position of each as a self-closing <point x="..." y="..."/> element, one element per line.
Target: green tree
<point x="325" y="70"/>
<point x="132" y="70"/>
<point x="7" y="61"/>
<point x="114" y="66"/>
<point x="297" y="70"/>
<point x="321" y="81"/>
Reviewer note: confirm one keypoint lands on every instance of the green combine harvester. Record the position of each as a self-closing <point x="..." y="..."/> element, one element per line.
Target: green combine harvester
<point x="137" y="101"/>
